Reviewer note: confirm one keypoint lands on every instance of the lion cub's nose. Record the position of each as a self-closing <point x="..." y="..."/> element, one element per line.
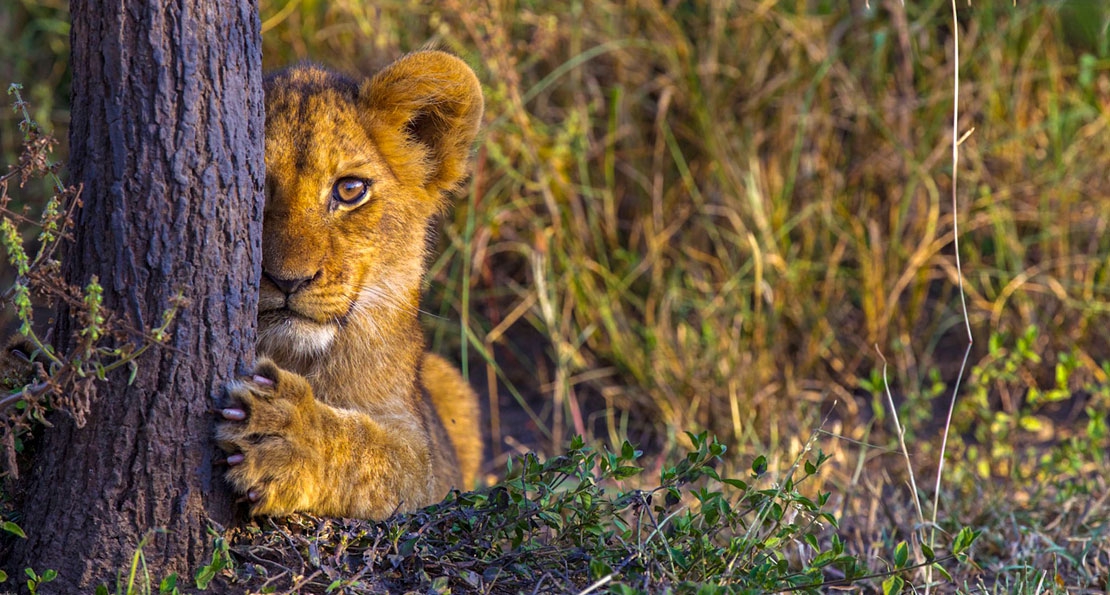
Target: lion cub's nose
<point x="288" y="286"/>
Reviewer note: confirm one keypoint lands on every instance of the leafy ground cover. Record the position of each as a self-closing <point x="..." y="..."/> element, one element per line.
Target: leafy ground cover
<point x="720" y="217"/>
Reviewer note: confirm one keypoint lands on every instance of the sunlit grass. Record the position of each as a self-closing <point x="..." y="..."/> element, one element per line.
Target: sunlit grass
<point x="707" y="216"/>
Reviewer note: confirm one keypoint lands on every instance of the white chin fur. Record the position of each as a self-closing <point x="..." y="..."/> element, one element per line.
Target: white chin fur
<point x="296" y="336"/>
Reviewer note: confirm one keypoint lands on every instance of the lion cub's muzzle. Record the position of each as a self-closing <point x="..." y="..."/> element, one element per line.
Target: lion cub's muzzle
<point x="311" y="299"/>
<point x="289" y="286"/>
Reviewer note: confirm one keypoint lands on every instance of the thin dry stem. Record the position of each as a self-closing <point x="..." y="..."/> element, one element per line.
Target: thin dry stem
<point x="901" y="432"/>
<point x="956" y="140"/>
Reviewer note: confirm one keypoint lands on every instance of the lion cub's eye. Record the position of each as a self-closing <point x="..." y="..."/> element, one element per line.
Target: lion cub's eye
<point x="350" y="191"/>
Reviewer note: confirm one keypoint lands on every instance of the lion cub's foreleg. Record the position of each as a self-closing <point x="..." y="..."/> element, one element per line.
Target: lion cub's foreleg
<point x="289" y="452"/>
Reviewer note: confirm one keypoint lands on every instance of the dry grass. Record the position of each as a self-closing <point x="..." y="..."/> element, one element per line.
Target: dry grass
<point x="704" y="215"/>
<point x="708" y="215"/>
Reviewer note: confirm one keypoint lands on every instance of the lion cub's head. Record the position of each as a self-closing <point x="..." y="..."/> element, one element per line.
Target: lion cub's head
<point x="354" y="172"/>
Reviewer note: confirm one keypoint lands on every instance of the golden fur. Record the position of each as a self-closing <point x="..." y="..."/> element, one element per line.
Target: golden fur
<point x="346" y="414"/>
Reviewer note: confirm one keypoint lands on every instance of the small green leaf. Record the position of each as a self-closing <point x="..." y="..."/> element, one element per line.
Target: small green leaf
<point x="599" y="569"/>
<point x="736" y="483"/>
<point x="759" y="465"/>
<point x="994" y="345"/>
<point x="49" y="575"/>
<point x="943" y="572"/>
<point x="168" y="584"/>
<point x="823" y="559"/>
<point x="622" y="589"/>
<point x="205" y="576"/>
<point x="893" y="585"/>
<point x="14" y="529"/>
<point x="928" y="551"/>
<point x="963" y="540"/>
<point x="1030" y="423"/>
<point x="901" y="554"/>
<point x="626" y="471"/>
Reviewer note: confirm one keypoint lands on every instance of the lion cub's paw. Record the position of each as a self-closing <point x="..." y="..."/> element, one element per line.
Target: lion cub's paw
<point x="268" y="429"/>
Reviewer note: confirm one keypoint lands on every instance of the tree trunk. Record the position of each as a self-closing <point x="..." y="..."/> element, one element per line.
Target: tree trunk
<point x="167" y="139"/>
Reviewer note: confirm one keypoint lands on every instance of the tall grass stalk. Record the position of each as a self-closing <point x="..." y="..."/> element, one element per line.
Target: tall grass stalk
<point x="956" y="140"/>
<point x="900" y="432"/>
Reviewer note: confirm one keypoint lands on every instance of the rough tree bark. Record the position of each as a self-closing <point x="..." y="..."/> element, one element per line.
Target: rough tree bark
<point x="167" y="138"/>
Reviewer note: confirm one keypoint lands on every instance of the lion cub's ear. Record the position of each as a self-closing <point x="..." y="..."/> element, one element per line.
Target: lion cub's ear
<point x="435" y="99"/>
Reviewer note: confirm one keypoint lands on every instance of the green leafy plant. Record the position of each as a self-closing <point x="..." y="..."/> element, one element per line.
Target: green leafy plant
<point x="1011" y="404"/>
<point x="138" y="580"/>
<point x="103" y="342"/>
<point x="695" y="531"/>
<point x="221" y="560"/>
<point x="35" y="580"/>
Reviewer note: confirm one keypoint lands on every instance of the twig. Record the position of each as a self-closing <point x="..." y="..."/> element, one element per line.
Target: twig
<point x="597" y="585"/>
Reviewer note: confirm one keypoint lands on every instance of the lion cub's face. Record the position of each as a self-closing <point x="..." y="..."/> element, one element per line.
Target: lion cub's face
<point x="354" y="171"/>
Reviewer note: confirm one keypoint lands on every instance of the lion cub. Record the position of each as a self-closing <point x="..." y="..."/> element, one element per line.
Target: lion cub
<point x="345" y="413"/>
